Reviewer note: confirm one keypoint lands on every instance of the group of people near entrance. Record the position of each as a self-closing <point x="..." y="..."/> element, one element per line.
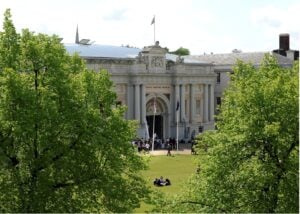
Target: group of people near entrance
<point x="161" y="182"/>
<point x="146" y="145"/>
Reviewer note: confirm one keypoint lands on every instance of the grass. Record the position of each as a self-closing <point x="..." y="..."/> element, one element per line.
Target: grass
<point x="177" y="168"/>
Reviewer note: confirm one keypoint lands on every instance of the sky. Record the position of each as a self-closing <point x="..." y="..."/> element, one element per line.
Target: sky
<point x="202" y="26"/>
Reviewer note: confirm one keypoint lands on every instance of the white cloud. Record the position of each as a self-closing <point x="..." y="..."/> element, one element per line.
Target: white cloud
<point x="273" y="21"/>
<point x="198" y="25"/>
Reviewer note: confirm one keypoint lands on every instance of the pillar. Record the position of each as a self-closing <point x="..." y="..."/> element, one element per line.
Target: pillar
<point x="212" y="102"/>
<point x="137" y="102"/>
<point x="202" y="104"/>
<point x="143" y="104"/>
<point x="192" y="104"/>
<point x="205" y="103"/>
<point x="182" y="103"/>
<point x="129" y="114"/>
<point x="172" y="104"/>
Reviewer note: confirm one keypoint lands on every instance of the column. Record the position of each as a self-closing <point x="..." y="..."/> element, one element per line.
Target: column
<point x="205" y="103"/>
<point x="202" y="104"/>
<point x="172" y="104"/>
<point x="143" y="104"/>
<point x="182" y="103"/>
<point x="137" y="102"/>
<point x="192" y="103"/>
<point x="129" y="114"/>
<point x="177" y="99"/>
<point x="212" y="102"/>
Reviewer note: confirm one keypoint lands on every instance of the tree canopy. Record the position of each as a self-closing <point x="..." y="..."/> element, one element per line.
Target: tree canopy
<point x="181" y="51"/>
<point x="63" y="146"/>
<point x="250" y="164"/>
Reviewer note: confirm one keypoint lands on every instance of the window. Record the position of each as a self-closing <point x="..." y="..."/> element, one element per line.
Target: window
<point x="219" y="77"/>
<point x="118" y="103"/>
<point x="218" y="101"/>
<point x="198" y="111"/>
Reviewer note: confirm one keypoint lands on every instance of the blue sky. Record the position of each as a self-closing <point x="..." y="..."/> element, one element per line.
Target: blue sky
<point x="201" y="26"/>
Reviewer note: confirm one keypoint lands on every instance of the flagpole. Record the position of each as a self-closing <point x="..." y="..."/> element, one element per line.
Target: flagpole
<point x="154" y="29"/>
<point x="154" y="111"/>
<point x="153" y="22"/>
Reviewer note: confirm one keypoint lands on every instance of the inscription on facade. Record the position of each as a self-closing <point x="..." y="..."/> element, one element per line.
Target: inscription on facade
<point x="162" y="89"/>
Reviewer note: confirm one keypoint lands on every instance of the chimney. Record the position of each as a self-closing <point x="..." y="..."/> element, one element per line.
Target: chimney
<point x="284" y="42"/>
<point x="77" y="36"/>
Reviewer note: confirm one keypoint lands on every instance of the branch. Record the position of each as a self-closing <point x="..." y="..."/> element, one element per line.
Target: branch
<point x="7" y="136"/>
<point x="71" y="146"/>
<point x="54" y="138"/>
<point x="13" y="158"/>
<point x="73" y="183"/>
<point x="60" y="155"/>
<point x="293" y="145"/>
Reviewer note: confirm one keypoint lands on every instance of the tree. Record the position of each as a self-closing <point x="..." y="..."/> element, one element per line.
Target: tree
<point x="9" y="45"/>
<point x="181" y="51"/>
<point x="250" y="163"/>
<point x="63" y="148"/>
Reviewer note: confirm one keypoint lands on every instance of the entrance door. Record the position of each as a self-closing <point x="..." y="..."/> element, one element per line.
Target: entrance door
<point x="158" y="126"/>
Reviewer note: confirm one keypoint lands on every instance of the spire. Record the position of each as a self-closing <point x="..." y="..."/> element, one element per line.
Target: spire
<point x="77" y="36"/>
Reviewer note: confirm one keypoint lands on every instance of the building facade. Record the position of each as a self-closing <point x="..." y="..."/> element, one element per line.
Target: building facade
<point x="166" y="94"/>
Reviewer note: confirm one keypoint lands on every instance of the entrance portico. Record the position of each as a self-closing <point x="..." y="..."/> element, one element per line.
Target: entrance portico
<point x="155" y="74"/>
<point x="157" y="114"/>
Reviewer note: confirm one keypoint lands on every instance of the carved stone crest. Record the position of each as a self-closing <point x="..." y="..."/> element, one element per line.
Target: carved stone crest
<point x="157" y="61"/>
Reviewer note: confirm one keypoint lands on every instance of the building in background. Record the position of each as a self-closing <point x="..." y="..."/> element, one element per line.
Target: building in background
<point x="167" y="90"/>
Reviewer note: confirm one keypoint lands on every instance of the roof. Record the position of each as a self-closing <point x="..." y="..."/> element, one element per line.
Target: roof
<point x="171" y="57"/>
<point x="108" y="51"/>
<point x="105" y="51"/>
<point x="231" y="58"/>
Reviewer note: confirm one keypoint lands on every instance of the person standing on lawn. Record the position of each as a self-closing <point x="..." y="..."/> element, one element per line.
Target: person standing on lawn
<point x="169" y="147"/>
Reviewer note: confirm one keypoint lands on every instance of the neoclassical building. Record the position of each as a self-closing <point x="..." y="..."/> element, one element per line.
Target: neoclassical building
<point x="165" y="91"/>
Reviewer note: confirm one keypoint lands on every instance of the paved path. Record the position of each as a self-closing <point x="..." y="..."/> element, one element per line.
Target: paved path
<point x="173" y="152"/>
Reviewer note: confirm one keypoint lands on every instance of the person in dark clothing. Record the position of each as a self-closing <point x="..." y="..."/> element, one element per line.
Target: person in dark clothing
<point x="161" y="182"/>
<point x="169" y="147"/>
<point x="168" y="182"/>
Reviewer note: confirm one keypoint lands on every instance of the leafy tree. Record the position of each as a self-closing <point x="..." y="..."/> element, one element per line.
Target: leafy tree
<point x="63" y="148"/>
<point x="9" y="45"/>
<point x="181" y="51"/>
<point x="251" y="163"/>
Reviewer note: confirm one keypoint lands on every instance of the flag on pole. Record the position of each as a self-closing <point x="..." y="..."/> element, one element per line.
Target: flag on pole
<point x="177" y="106"/>
<point x="153" y="20"/>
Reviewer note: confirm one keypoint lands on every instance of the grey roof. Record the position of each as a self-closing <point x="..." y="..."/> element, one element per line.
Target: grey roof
<point x="108" y="51"/>
<point x="171" y="57"/>
<point x="194" y="60"/>
<point x="105" y="51"/>
<point x="231" y="58"/>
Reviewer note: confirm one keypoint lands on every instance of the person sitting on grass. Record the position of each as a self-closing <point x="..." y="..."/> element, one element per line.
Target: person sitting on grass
<point x="162" y="182"/>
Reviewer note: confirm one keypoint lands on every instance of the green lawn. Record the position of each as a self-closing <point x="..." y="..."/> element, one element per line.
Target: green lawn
<point x="177" y="168"/>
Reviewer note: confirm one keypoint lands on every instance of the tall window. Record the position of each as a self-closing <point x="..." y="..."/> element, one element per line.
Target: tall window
<point x="186" y="107"/>
<point x="198" y="111"/>
<point x="219" y="77"/>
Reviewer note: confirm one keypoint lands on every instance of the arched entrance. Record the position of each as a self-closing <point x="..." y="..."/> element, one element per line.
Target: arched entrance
<point x="158" y="125"/>
<point x="160" y="119"/>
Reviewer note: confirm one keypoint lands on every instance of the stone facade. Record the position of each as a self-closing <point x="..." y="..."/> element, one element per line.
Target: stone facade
<point x="152" y="78"/>
<point x="151" y="82"/>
